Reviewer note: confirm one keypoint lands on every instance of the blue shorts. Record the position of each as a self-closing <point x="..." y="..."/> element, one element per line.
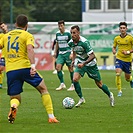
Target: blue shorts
<point x="124" y="66"/>
<point x="2" y="61"/>
<point x="16" y="78"/>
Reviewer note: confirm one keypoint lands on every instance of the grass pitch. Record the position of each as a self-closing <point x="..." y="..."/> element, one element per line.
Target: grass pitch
<point x="95" y="116"/>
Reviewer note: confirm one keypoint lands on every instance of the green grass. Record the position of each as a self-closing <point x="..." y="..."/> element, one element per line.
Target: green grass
<point x="96" y="116"/>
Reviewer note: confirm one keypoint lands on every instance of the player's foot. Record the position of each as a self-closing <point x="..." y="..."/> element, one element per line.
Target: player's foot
<point x="119" y="94"/>
<point x="53" y="120"/>
<point x="62" y="86"/>
<point x="55" y="72"/>
<point x="81" y="101"/>
<point x="111" y="99"/>
<point x="0" y="86"/>
<point x="12" y="115"/>
<point x="131" y="83"/>
<point x="71" y="88"/>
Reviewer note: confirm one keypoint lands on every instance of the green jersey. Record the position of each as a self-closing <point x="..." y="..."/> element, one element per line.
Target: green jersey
<point x="62" y="40"/>
<point x="83" y="49"/>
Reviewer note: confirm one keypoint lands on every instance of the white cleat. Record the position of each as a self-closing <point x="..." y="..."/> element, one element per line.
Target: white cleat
<point x="119" y="94"/>
<point x="111" y="99"/>
<point x="55" y="72"/>
<point x="71" y="88"/>
<point x="62" y="86"/>
<point x="81" y="101"/>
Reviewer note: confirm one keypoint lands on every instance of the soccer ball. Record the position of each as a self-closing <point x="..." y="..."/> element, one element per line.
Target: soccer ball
<point x="68" y="103"/>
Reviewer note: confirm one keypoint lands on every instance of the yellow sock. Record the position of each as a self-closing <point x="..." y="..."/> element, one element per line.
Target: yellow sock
<point x="131" y="78"/>
<point x="47" y="102"/>
<point x="14" y="102"/>
<point x="1" y="77"/>
<point x="3" y="74"/>
<point x="118" y="82"/>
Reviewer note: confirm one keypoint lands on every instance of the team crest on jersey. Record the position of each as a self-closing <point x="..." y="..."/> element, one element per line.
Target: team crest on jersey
<point x="79" y="50"/>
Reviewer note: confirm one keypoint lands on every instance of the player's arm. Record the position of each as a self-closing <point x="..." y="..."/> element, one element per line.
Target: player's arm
<point x="53" y="48"/>
<point x="90" y="58"/>
<point x="114" y="50"/>
<point x="128" y="51"/>
<point x="114" y="46"/>
<point x="31" y="56"/>
<point x="73" y="56"/>
<point x="1" y="42"/>
<point x="56" y="49"/>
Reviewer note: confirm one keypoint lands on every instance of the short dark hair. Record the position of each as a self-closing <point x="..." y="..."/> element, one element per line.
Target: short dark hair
<point x="61" y="22"/>
<point x="75" y="26"/>
<point x="22" y="20"/>
<point x="1" y="23"/>
<point x="122" y="23"/>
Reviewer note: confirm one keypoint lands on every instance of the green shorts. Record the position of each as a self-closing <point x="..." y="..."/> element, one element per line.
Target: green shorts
<point x="92" y="72"/>
<point x="64" y="59"/>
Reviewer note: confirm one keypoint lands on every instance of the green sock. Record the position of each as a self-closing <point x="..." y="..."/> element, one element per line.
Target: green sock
<point x="60" y="76"/>
<point x="105" y="89"/>
<point x="78" y="89"/>
<point x="71" y="76"/>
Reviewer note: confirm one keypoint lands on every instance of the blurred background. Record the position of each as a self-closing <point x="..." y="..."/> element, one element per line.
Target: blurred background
<point x="98" y="20"/>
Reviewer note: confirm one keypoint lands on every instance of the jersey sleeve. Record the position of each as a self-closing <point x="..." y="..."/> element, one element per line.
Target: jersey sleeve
<point x="30" y="40"/>
<point x="88" y="47"/>
<point x="115" y="42"/>
<point x="132" y="41"/>
<point x="2" y="42"/>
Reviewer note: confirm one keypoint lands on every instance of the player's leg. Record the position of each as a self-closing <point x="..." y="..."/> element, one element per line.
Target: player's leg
<point x="93" y="70"/>
<point x="59" y="64"/>
<point x="76" y="77"/>
<point x="118" y="81"/>
<point x="47" y="102"/>
<point x="38" y="82"/>
<point x="14" y="91"/>
<point x="118" y="70"/>
<point x="1" y="79"/>
<point x="71" y="88"/>
<point x="127" y="70"/>
<point x="2" y="67"/>
<point x="129" y="78"/>
<point x="70" y="68"/>
<point x="14" y="103"/>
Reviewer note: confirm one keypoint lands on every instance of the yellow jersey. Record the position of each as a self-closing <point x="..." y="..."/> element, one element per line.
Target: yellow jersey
<point x="121" y="44"/>
<point x="2" y="52"/>
<point x="15" y="44"/>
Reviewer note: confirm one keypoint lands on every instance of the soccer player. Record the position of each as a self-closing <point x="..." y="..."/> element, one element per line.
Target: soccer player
<point x="20" y="68"/>
<point x="55" y="57"/>
<point x="4" y="28"/>
<point x="84" y="61"/>
<point x="62" y="38"/>
<point x="122" y="48"/>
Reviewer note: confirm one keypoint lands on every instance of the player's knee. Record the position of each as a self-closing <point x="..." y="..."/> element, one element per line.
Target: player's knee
<point x="117" y="74"/>
<point x="75" y="79"/>
<point x="128" y="80"/>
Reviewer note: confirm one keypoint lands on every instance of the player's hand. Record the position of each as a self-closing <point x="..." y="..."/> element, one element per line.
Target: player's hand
<point x="114" y="52"/>
<point x="54" y="55"/>
<point x="80" y="65"/>
<point x="32" y="70"/>
<point x="126" y="52"/>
